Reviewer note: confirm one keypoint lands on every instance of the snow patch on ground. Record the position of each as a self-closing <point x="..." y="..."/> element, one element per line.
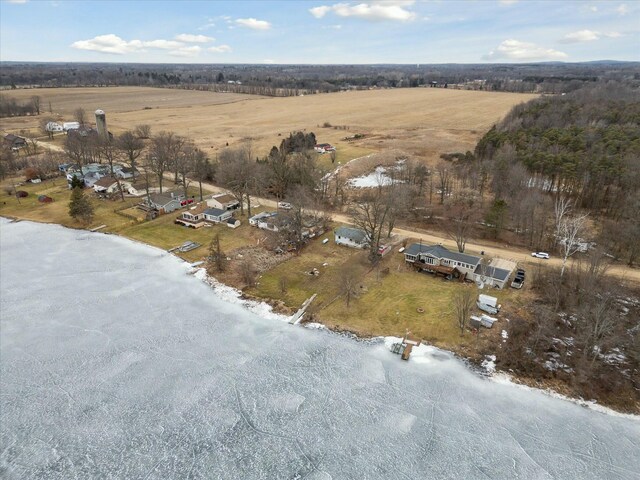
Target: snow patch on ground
<point x="489" y="364"/>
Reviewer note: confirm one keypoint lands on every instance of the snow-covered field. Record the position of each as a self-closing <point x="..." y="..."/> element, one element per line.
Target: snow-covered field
<point x="115" y="363"/>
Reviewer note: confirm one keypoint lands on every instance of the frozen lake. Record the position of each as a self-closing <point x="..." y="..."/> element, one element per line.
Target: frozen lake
<point x="117" y="364"/>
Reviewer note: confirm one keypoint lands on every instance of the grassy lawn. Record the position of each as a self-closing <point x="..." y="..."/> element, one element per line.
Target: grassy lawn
<point x="58" y="211"/>
<point x="387" y="305"/>
<point x="164" y="233"/>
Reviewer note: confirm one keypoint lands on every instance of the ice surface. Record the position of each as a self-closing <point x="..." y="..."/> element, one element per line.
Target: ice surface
<point x="115" y="363"/>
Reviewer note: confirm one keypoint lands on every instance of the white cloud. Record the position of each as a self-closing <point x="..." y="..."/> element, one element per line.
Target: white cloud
<point x="220" y="49"/>
<point x="17" y="1"/>
<point x="108" y="44"/>
<point x="253" y="23"/>
<point x="523" y="51"/>
<point x="188" y="38"/>
<point x="508" y="2"/>
<point x="580" y="36"/>
<point x="374" y="11"/>
<point x="268" y="61"/>
<point x="191" y="51"/>
<point x="622" y="9"/>
<point x="593" y="8"/>
<point x="161" y="44"/>
<point x="113" y="44"/>
<point x="207" y="26"/>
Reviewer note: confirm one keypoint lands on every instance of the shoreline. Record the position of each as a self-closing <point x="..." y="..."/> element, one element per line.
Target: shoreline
<point x="263" y="309"/>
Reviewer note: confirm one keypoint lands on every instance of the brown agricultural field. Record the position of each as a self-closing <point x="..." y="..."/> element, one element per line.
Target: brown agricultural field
<point x="420" y="121"/>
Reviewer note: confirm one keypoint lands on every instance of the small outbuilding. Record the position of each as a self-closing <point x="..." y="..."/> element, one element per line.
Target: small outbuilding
<point x="233" y="223"/>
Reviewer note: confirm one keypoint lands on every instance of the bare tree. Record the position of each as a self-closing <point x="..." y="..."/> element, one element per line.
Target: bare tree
<point x="370" y="215"/>
<point x="44" y="122"/>
<point x="248" y="272"/>
<point x="444" y="180"/>
<point x="460" y="217"/>
<point x="165" y="147"/>
<point x="463" y="301"/>
<point x="142" y="131"/>
<point x="561" y="209"/>
<point x="80" y="116"/>
<point x="239" y="173"/>
<point x="132" y="147"/>
<point x="216" y="262"/>
<point x="110" y="152"/>
<point x="35" y="102"/>
<point x="570" y="230"/>
<point x="348" y="284"/>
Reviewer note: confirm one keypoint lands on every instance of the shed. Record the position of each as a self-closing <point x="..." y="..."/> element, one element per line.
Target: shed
<point x="233" y="223"/>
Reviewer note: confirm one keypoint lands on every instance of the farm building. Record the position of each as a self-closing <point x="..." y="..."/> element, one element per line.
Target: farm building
<point x="165" y="202"/>
<point x="216" y="215"/>
<point x="14" y="141"/>
<point x="223" y="201"/>
<point x="351" y="237"/>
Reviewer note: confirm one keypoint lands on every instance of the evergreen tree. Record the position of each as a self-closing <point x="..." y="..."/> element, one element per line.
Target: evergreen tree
<point x="80" y="207"/>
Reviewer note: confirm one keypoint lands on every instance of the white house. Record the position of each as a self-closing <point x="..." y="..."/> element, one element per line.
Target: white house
<point x="53" y="127"/>
<point x="256" y="218"/>
<point x="192" y="218"/>
<point x="223" y="201"/>
<point x="109" y="185"/>
<point x="216" y="215"/>
<point x="351" y="237"/>
<point x="66" y="126"/>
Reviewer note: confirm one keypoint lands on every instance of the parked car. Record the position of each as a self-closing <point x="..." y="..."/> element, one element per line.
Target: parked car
<point x="284" y="205"/>
<point x="520" y="273"/>
<point x="540" y="255"/>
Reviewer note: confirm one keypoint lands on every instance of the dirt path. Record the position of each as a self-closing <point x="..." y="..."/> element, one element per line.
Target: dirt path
<point x="490" y="249"/>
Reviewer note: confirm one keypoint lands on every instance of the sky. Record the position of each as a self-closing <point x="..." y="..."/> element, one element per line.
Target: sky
<point x="319" y="32"/>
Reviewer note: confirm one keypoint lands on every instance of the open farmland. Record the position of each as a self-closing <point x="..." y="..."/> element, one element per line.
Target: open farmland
<point x="420" y="121"/>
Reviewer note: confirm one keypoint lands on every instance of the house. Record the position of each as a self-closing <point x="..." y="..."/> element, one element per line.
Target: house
<point x="14" y="142"/>
<point x="109" y="185"/>
<point x="216" y="215"/>
<point x="53" y="127"/>
<point x="223" y="201"/>
<point x="192" y="218"/>
<point x="256" y="218"/>
<point x="165" y="202"/>
<point x="440" y="260"/>
<point x="126" y="172"/>
<point x="351" y="237"/>
<point x="233" y="222"/>
<point x="269" y="223"/>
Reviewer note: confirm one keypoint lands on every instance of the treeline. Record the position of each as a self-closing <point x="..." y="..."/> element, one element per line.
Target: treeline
<point x="10" y="107"/>
<point x="585" y="146"/>
<point x="294" y="79"/>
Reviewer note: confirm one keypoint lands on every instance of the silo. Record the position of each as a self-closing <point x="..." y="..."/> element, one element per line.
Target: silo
<point x="101" y="124"/>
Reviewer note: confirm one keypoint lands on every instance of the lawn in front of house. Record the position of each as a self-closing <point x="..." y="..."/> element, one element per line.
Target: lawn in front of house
<point x="389" y="301"/>
<point x="58" y="211"/>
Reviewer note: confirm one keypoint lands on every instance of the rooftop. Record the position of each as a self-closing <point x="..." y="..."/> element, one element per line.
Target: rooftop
<point x="353" y="234"/>
<point x="439" y="251"/>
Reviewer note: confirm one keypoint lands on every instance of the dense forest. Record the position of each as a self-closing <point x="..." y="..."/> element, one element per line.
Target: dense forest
<point x="584" y="145"/>
<point x="283" y="80"/>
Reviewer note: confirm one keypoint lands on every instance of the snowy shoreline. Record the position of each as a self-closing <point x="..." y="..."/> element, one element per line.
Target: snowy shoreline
<point x="423" y="354"/>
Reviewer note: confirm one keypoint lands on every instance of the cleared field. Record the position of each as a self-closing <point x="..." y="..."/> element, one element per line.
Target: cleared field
<point x="420" y="121"/>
